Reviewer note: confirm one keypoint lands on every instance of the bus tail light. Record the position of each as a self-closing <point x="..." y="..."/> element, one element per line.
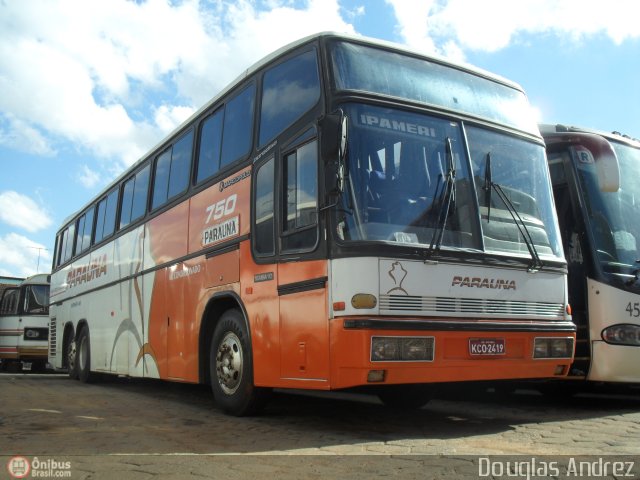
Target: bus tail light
<point x="622" y="334"/>
<point x="553" y="347"/>
<point x="402" y="349"/>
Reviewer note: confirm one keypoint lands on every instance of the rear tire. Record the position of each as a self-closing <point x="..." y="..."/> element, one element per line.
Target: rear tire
<point x="231" y="367"/>
<point x="405" y="397"/>
<point x="83" y="356"/>
<point x="72" y="359"/>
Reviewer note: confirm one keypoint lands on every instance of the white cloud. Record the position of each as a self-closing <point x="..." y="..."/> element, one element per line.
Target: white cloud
<point x="21" y="136"/>
<point x="114" y="77"/>
<point x="21" y="211"/>
<point x="166" y="117"/>
<point x="22" y="257"/>
<point x="88" y="177"/>
<point x="452" y="26"/>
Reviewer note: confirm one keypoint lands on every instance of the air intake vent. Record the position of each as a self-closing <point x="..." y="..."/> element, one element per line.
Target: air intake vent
<point x="52" y="337"/>
<point x="471" y="306"/>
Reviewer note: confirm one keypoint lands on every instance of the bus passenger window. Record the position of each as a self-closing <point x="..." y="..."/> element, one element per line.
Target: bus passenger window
<point x="134" y="197"/>
<point x="83" y="231"/>
<point x="172" y="171"/>
<point x="300" y="200"/>
<point x="210" y="142"/>
<point x="264" y="215"/>
<point x="238" y="126"/>
<point x="180" y="165"/>
<point x="106" y="218"/>
<point x="288" y="91"/>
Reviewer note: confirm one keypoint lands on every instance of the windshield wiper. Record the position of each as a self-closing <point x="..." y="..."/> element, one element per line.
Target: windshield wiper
<point x="489" y="184"/>
<point x="636" y="276"/>
<point x="445" y="198"/>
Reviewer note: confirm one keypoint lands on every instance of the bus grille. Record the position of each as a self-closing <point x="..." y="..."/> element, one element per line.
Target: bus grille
<point x="52" y="337"/>
<point x="443" y="305"/>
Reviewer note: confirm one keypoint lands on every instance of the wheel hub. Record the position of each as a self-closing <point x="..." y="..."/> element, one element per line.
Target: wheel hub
<point x="229" y="363"/>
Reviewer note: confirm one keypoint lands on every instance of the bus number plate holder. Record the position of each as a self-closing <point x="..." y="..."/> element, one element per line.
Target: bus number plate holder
<point x="487" y="346"/>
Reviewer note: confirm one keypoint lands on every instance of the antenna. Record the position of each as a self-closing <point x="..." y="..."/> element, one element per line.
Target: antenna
<point x="39" y="250"/>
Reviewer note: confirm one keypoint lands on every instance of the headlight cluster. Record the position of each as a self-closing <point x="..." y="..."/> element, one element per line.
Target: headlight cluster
<point x="553" y="347"/>
<point x="402" y="349"/>
<point x="36" y="333"/>
<point x="622" y="334"/>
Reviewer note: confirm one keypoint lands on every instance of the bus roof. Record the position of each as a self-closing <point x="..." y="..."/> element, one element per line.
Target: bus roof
<point x="558" y="129"/>
<point x="39" y="279"/>
<point x="273" y="56"/>
<point x="10" y="280"/>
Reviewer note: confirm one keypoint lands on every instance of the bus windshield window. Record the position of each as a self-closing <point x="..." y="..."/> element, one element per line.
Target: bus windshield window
<point x="399" y="165"/>
<point x="518" y="169"/>
<point x="357" y="67"/>
<point x="614" y="215"/>
<point x="36" y="299"/>
<point x="397" y="172"/>
<point x="9" y="305"/>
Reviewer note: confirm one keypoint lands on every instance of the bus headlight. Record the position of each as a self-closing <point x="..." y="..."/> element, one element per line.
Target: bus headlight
<point x="622" y="334"/>
<point x="36" y="333"/>
<point x="553" y="347"/>
<point x="402" y="349"/>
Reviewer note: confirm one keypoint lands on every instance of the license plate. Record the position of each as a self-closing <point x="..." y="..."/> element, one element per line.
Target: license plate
<point x="487" y="346"/>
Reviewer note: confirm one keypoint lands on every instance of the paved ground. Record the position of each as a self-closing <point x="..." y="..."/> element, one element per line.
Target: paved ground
<point x="148" y="429"/>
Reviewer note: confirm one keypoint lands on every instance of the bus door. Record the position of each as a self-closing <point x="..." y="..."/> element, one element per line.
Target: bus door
<point x="302" y="282"/>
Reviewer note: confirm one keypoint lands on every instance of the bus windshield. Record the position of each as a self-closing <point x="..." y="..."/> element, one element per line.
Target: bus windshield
<point x="411" y="182"/>
<point x="614" y="215"/>
<point x="361" y="68"/>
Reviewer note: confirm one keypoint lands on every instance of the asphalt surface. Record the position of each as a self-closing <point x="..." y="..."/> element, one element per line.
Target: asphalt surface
<point x="132" y="428"/>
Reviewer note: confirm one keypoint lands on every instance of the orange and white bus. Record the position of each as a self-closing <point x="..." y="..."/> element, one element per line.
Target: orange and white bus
<point x="595" y="178"/>
<point x="24" y="324"/>
<point x="346" y="213"/>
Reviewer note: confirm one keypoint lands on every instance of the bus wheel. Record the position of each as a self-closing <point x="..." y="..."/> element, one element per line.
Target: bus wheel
<point x="231" y="367"/>
<point x="407" y="397"/>
<point x="83" y="356"/>
<point x="72" y="364"/>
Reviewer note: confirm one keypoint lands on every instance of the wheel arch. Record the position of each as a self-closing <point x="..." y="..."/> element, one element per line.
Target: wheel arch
<point x="219" y="303"/>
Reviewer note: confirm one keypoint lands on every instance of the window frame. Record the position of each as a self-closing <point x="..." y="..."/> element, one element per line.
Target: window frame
<point x="283" y="231"/>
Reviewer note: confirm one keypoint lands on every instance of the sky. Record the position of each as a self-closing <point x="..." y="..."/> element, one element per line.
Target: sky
<point x="87" y="87"/>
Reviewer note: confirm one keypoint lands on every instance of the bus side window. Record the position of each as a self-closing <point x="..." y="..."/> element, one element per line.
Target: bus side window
<point x="134" y="197"/>
<point x="238" y="126"/>
<point x="106" y="217"/>
<point x="263" y="231"/>
<point x="84" y="229"/>
<point x="210" y="143"/>
<point x="172" y="171"/>
<point x="300" y="198"/>
<point x="289" y="90"/>
<point x="68" y="242"/>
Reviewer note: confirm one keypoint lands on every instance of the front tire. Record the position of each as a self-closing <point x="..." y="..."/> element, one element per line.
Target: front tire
<point x="231" y="367"/>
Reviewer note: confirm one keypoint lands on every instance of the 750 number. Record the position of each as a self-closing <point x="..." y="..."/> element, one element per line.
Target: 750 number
<point x="222" y="208"/>
<point x="633" y="309"/>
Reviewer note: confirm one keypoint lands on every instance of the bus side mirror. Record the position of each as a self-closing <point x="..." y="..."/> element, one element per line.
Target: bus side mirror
<point x="333" y="146"/>
<point x="608" y="171"/>
<point x="598" y="150"/>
